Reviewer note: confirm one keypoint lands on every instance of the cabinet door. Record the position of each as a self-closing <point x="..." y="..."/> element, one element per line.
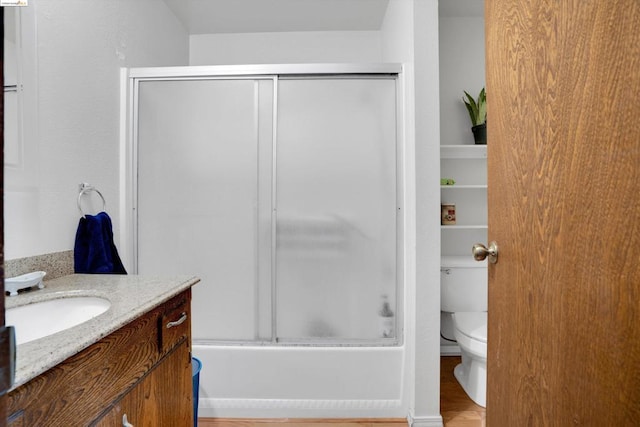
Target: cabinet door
<point x="162" y="398"/>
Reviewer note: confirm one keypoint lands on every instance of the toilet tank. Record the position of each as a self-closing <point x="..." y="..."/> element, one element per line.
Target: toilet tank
<point x="463" y="284"/>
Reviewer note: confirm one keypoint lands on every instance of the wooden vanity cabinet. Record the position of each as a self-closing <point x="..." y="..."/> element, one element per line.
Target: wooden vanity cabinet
<point x="142" y="370"/>
<point x="154" y="401"/>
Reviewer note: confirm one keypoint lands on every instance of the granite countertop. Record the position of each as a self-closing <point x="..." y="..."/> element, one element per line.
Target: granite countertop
<point x="130" y="297"/>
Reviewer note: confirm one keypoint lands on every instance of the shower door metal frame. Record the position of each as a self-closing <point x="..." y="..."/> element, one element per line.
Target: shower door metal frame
<point x="131" y="78"/>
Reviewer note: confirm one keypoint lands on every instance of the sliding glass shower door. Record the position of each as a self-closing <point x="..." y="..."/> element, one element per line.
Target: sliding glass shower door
<point x="199" y="185"/>
<point x="336" y="207"/>
<point x="281" y="194"/>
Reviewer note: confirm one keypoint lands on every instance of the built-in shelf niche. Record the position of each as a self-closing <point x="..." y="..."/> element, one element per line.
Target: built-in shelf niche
<point x="467" y="166"/>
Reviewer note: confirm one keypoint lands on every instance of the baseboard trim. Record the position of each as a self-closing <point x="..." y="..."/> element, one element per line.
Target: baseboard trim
<point x="300" y="408"/>
<point x="299" y="422"/>
<point x="449" y="350"/>
<point x="434" y="421"/>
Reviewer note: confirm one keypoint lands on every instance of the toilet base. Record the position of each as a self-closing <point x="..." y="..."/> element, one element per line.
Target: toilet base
<point x="472" y="376"/>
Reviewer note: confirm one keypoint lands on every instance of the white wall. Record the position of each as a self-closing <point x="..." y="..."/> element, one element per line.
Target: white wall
<point x="80" y="47"/>
<point x="461" y="68"/>
<point x="397" y="46"/>
<point x="285" y="47"/>
<point x="427" y="161"/>
<point x="410" y="36"/>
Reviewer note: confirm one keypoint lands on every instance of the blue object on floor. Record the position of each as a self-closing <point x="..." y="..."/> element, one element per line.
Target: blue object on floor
<point x="196" y="365"/>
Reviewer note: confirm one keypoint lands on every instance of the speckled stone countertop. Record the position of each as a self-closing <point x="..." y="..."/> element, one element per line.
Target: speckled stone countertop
<point x="130" y="296"/>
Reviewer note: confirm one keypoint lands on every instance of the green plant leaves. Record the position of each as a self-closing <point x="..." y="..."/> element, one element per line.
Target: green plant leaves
<point x="477" y="109"/>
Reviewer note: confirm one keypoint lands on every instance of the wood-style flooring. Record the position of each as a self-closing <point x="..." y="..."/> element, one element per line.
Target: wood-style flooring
<point x="455" y="406"/>
<point x="457" y="409"/>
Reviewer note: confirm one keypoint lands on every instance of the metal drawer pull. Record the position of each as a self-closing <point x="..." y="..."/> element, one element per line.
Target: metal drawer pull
<point x="125" y="422"/>
<point x="180" y="321"/>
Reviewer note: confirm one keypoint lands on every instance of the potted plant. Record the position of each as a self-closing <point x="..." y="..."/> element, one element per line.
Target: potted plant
<point x="478" y="114"/>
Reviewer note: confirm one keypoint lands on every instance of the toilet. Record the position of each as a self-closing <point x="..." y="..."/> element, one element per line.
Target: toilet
<point x="464" y="306"/>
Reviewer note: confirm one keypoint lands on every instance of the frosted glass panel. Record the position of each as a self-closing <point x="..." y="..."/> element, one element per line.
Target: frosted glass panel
<point x="336" y="208"/>
<point x="198" y="196"/>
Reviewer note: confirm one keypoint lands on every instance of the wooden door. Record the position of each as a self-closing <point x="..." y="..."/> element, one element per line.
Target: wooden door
<point x="563" y="90"/>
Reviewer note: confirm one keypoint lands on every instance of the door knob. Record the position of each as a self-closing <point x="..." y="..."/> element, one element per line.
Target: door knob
<point x="480" y="252"/>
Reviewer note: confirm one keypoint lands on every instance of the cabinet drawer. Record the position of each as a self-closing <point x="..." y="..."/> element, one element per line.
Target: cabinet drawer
<point x="174" y="324"/>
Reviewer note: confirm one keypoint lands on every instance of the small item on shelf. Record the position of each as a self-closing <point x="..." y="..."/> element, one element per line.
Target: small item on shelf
<point x="448" y="214"/>
<point x="447" y="181"/>
<point x="478" y="114"/>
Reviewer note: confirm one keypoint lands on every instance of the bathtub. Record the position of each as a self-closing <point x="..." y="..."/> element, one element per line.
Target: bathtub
<point x="300" y="382"/>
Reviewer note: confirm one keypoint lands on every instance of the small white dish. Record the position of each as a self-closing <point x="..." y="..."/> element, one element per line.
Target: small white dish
<point x="13" y="284"/>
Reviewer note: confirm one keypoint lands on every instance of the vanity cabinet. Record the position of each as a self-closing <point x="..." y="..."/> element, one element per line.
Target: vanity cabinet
<point x="155" y="400"/>
<point x="142" y="370"/>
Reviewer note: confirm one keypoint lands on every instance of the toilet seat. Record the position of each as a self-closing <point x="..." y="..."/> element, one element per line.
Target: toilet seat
<point x="471" y="332"/>
<point x="473" y="325"/>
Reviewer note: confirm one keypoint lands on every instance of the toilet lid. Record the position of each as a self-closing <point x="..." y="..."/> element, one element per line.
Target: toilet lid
<point x="473" y="325"/>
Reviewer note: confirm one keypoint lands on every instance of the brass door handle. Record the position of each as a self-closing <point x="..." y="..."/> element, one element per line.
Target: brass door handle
<point x="480" y="252"/>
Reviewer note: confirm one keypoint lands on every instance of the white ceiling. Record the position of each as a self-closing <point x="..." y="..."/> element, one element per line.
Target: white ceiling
<point x="251" y="16"/>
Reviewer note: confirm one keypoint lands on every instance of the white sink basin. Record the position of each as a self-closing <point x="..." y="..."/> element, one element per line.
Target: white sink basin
<point x="40" y="319"/>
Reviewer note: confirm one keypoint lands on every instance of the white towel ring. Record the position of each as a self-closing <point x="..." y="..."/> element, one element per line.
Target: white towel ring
<point x="84" y="189"/>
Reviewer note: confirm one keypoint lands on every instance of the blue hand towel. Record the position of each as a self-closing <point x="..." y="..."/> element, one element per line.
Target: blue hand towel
<point x="94" y="250"/>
